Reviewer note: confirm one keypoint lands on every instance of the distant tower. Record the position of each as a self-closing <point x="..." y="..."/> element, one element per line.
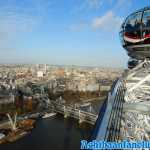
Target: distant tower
<point x="37" y="66"/>
<point x="12" y="98"/>
<point x="45" y="68"/>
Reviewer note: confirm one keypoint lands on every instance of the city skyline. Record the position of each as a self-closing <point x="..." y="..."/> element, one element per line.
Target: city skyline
<point x="74" y="32"/>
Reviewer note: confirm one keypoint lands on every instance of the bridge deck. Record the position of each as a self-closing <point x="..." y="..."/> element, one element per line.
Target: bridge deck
<point x="69" y="111"/>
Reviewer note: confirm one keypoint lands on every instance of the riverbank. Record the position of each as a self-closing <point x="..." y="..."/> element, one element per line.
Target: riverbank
<point x="23" y="127"/>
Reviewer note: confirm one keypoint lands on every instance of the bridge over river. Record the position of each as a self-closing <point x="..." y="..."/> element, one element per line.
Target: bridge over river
<point x="77" y="113"/>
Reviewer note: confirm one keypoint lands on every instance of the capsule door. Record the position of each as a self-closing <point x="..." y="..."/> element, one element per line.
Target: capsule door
<point x="132" y="29"/>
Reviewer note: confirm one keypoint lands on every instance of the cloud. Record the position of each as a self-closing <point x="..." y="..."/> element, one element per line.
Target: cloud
<point x="11" y="26"/>
<point x="120" y="3"/>
<point x="17" y="17"/>
<point x="78" y="27"/>
<point x="84" y="6"/>
<point x="123" y="5"/>
<point x="94" y="3"/>
<point x="109" y="21"/>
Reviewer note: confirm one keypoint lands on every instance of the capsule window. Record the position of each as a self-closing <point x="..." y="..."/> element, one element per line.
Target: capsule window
<point x="132" y="29"/>
<point x="133" y="22"/>
<point x="146" y="27"/>
<point x="146" y="18"/>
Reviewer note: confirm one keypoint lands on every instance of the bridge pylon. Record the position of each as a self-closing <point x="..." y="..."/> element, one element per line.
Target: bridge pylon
<point x="80" y="118"/>
<point x="65" y="112"/>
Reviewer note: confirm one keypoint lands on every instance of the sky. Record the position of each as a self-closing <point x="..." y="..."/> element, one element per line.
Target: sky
<point x="64" y="32"/>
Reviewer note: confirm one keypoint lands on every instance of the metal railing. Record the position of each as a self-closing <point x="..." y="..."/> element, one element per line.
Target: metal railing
<point x="69" y="111"/>
<point x="107" y="126"/>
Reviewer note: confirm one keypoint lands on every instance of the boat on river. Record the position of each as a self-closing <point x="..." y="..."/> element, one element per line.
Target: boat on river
<point x="48" y="115"/>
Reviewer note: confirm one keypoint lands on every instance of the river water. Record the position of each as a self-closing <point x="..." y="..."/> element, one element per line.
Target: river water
<point x="55" y="133"/>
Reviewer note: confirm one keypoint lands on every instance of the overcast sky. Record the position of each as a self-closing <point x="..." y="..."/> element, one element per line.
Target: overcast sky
<point x="68" y="32"/>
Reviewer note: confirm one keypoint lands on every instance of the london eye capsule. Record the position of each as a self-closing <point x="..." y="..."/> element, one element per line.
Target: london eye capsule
<point x="135" y="34"/>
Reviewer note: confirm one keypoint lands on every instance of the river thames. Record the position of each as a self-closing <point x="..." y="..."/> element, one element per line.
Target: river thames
<point x="56" y="133"/>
